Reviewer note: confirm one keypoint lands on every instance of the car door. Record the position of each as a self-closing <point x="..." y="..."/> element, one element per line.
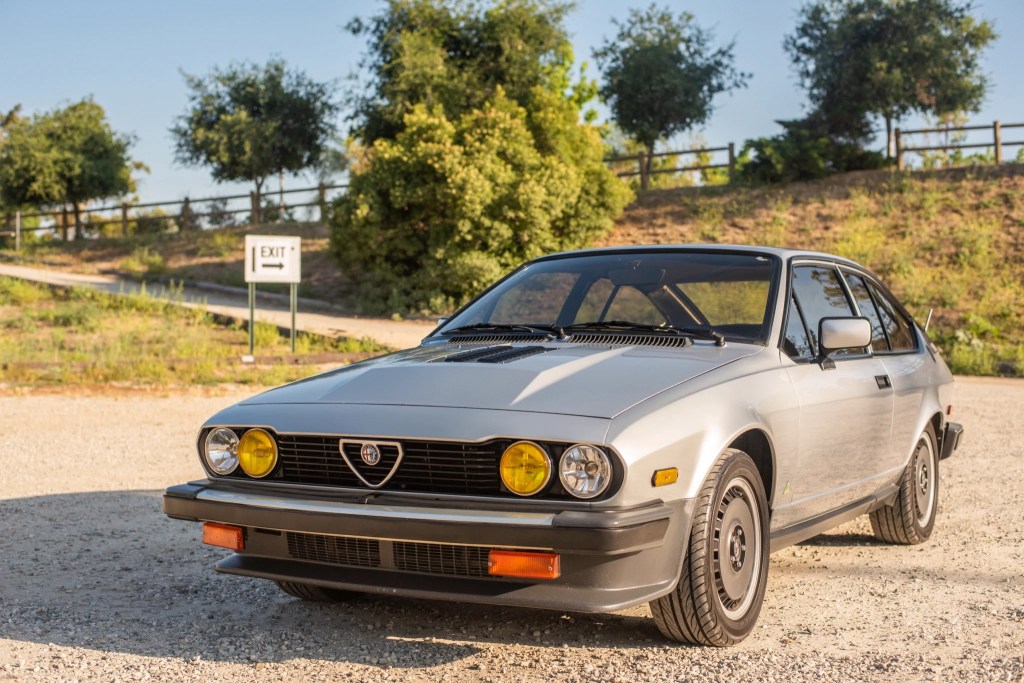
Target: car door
<point x="846" y="402"/>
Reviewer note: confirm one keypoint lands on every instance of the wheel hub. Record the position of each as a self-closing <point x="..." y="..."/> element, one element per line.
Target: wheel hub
<point x="737" y="548"/>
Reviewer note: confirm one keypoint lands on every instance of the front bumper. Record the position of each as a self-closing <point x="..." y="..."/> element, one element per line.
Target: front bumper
<point x="610" y="559"/>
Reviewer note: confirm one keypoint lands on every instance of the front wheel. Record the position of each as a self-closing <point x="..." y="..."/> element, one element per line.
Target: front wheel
<point x="724" y="572"/>
<point x="911" y="517"/>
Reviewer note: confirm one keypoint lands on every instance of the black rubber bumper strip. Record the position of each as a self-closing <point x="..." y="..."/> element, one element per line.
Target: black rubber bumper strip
<point x="951" y="439"/>
<point x="585" y="532"/>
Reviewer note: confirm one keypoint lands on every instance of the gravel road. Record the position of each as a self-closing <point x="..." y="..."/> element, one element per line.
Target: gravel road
<point x="96" y="584"/>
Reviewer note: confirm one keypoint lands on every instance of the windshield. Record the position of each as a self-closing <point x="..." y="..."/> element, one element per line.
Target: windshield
<point x="728" y="293"/>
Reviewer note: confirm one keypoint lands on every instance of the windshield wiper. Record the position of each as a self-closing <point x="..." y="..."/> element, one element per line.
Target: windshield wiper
<point x="550" y="330"/>
<point x="695" y="332"/>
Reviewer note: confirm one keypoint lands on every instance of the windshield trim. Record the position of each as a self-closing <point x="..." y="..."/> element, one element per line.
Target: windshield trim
<point x="771" y="300"/>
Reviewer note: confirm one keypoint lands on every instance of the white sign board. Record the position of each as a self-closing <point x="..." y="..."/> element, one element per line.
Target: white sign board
<point x="273" y="258"/>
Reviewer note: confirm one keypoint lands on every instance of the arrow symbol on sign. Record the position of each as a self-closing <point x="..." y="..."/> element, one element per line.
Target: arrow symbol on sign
<point x="273" y="265"/>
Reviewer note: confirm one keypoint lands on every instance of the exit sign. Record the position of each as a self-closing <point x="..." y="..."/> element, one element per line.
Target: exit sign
<point x="273" y="258"/>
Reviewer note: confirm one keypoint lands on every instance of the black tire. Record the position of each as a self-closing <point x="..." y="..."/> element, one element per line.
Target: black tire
<point x="911" y="517"/>
<point x="307" y="591"/>
<point x="707" y="606"/>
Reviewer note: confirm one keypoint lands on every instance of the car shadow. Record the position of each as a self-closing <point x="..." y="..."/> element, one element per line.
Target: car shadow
<point x="842" y="540"/>
<point x="108" y="571"/>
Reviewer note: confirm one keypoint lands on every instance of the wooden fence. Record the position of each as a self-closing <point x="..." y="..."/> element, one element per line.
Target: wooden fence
<point x="184" y="214"/>
<point x="997" y="144"/>
<point x="644" y="163"/>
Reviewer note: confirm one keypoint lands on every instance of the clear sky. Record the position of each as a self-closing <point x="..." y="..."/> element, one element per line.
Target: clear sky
<point x="127" y="54"/>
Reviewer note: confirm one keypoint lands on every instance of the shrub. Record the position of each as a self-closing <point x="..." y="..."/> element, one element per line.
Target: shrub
<point x="801" y="154"/>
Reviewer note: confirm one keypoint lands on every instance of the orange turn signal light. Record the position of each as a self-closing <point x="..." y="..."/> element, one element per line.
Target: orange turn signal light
<point x="223" y="536"/>
<point x="523" y="565"/>
<point x="665" y="477"/>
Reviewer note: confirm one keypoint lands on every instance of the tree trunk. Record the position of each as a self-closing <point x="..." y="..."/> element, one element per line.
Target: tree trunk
<point x="257" y="212"/>
<point x="64" y="222"/>
<point x="280" y="196"/>
<point x="889" y="142"/>
<point x="645" y="167"/>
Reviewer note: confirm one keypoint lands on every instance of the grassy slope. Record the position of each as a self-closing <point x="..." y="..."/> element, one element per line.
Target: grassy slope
<point x="80" y="336"/>
<point x="952" y="240"/>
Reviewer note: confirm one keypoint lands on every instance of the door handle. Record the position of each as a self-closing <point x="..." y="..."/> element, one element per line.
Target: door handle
<point x="883" y="381"/>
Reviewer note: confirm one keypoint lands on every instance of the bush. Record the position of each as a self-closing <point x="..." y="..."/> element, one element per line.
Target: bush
<point x="800" y="154"/>
<point x="438" y="212"/>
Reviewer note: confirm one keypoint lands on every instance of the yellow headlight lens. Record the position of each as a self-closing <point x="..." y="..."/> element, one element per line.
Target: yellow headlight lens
<point x="257" y="453"/>
<point x="525" y="468"/>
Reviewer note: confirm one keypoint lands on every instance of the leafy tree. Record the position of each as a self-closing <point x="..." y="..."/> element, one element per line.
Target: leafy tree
<point x="247" y="122"/>
<point x="67" y="156"/>
<point x="456" y="55"/>
<point x="888" y="58"/>
<point x="661" y="74"/>
<point x="459" y="178"/>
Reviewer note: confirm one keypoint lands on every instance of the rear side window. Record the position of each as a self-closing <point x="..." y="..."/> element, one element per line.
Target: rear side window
<point x="862" y="296"/>
<point x="821" y="295"/>
<point x="897" y="327"/>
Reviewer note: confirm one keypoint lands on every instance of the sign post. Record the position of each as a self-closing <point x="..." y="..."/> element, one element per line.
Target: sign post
<point x="272" y="258"/>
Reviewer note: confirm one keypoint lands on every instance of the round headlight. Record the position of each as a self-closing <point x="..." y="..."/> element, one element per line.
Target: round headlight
<point x="585" y="471"/>
<point x="221" y="450"/>
<point x="525" y="468"/>
<point x="257" y="453"/>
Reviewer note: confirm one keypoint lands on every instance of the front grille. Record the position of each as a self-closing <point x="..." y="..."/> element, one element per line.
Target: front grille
<point x="350" y="552"/>
<point x="426" y="467"/>
<point x="433" y="558"/>
<point x="422" y="558"/>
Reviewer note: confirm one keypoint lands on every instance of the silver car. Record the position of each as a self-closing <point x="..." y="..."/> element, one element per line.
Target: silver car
<point x="599" y="429"/>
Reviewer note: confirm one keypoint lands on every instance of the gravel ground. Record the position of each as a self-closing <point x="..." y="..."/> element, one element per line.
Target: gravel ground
<point x="96" y="584"/>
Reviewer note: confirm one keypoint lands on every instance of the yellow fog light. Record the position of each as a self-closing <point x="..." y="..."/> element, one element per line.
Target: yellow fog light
<point x="525" y="468"/>
<point x="257" y="453"/>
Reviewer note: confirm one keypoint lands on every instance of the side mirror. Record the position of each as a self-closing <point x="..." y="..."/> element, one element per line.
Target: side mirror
<point x="837" y="334"/>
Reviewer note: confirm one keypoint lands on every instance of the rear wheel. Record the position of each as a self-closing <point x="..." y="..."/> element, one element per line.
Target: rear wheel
<point x="307" y="591"/>
<point x="724" y="572"/>
<point x="911" y="517"/>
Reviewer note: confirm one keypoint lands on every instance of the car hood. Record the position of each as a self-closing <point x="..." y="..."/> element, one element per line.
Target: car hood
<point x="566" y="379"/>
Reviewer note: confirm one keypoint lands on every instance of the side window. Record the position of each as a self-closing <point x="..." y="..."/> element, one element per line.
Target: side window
<point x="820" y="294"/>
<point x="862" y="296"/>
<point x="796" y="343"/>
<point x="896" y="326"/>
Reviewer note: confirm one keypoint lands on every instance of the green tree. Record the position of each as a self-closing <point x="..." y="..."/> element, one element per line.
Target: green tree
<point x="455" y="55"/>
<point x="459" y="179"/>
<point x="248" y="122"/>
<point x="65" y="157"/>
<point x="661" y="75"/>
<point x="888" y="58"/>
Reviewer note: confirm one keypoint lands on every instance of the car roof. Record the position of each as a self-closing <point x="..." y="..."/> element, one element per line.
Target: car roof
<point x="783" y="253"/>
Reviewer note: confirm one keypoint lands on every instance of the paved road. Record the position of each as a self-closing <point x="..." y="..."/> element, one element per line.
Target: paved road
<point x="399" y="334"/>
<point x="97" y="585"/>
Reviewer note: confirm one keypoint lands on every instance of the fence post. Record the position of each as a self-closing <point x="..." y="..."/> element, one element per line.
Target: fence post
<point x="732" y="161"/>
<point x="124" y="220"/>
<point x="899" y="150"/>
<point x="645" y="167"/>
<point x="322" y="196"/>
<point x="997" y="133"/>
<point x="186" y="216"/>
<point x="17" y="230"/>
<point x="254" y="208"/>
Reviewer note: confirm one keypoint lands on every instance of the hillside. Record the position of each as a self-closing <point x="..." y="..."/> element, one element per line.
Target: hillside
<point x="950" y="240"/>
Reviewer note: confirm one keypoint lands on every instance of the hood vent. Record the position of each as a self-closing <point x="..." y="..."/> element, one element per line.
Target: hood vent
<point x="496" y="338"/>
<point x="633" y="340"/>
<point x="495" y="354"/>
